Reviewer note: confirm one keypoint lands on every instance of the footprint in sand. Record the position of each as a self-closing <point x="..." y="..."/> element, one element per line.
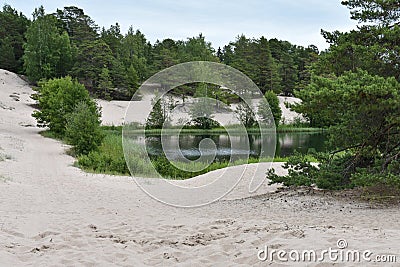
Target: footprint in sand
<point x="45" y="234"/>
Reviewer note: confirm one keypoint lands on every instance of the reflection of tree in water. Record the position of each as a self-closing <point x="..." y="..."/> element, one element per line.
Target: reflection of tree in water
<point x="286" y="144"/>
<point x="300" y="142"/>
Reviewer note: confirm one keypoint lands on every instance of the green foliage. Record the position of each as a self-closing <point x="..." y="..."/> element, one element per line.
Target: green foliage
<point x="385" y="12"/>
<point x="157" y="116"/>
<point x="361" y="108"/>
<point x="273" y="65"/>
<point x="57" y="98"/>
<point x="334" y="173"/>
<point x="241" y="55"/>
<point x="112" y="37"/>
<point x="269" y="107"/>
<point x="134" y="51"/>
<point x="69" y="42"/>
<point x="301" y="172"/>
<point x="48" y="53"/>
<point x="373" y="175"/>
<point x="367" y="179"/>
<point x="83" y="129"/>
<point x="92" y="58"/>
<point x="79" y="26"/>
<point x="328" y="174"/>
<point x="167" y="170"/>
<point x="205" y="123"/>
<point x="164" y="54"/>
<point x="108" y="158"/>
<point x="358" y="106"/>
<point x="363" y="113"/>
<point x="132" y="79"/>
<point x="372" y="47"/>
<point x="13" y="26"/>
<point x="267" y="76"/>
<point x="105" y="83"/>
<point x="7" y="56"/>
<point x="196" y="49"/>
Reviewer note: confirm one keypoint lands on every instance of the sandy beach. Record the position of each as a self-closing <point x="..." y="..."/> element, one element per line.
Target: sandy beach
<point x="54" y="214"/>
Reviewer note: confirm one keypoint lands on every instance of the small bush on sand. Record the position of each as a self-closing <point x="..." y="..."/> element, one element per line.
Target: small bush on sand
<point x="83" y="128"/>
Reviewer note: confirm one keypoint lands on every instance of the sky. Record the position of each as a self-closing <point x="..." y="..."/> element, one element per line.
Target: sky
<point x="220" y="21"/>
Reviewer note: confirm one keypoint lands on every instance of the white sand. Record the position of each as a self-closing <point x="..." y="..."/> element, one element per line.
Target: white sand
<point x="53" y="214"/>
<point x="113" y="112"/>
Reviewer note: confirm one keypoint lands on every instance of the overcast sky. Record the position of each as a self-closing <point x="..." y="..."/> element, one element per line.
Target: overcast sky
<point x="220" y="21"/>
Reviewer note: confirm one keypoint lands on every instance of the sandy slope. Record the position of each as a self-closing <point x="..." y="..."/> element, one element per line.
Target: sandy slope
<point x="113" y="112"/>
<point x="52" y="214"/>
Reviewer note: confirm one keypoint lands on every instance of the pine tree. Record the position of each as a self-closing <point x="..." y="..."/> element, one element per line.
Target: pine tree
<point x="220" y="54"/>
<point x="133" y="80"/>
<point x="113" y="37"/>
<point x="7" y="56"/>
<point x="267" y="76"/>
<point x="269" y="108"/>
<point x="92" y="57"/>
<point x="105" y="83"/>
<point x="246" y="115"/>
<point x="158" y="116"/>
<point x="134" y="50"/>
<point x="79" y="26"/>
<point x="164" y="55"/>
<point x="13" y="26"/>
<point x="374" y="46"/>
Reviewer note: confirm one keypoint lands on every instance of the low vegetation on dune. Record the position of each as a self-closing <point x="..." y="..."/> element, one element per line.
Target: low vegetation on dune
<point x="109" y="158"/>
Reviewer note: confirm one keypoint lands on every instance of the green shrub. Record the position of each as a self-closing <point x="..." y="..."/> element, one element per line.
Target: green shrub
<point x="371" y="177"/>
<point x="83" y="128"/>
<point x="301" y="172"/>
<point x="365" y="179"/>
<point x="331" y="173"/>
<point x="335" y="173"/>
<point x="57" y="98"/>
<point x="108" y="158"/>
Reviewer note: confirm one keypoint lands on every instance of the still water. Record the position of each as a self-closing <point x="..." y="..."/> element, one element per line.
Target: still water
<point x="285" y="145"/>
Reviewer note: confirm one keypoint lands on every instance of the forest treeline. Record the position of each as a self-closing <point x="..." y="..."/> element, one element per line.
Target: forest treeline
<point x="113" y="64"/>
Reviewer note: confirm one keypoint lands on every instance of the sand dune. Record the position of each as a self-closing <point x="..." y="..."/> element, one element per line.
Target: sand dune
<point x="113" y="112"/>
<point x="53" y="214"/>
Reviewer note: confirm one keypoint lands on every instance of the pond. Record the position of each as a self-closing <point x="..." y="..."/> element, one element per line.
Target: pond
<point x="286" y="145"/>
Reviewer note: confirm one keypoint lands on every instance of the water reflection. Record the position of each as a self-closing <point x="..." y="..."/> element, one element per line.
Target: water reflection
<point x="285" y="145"/>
